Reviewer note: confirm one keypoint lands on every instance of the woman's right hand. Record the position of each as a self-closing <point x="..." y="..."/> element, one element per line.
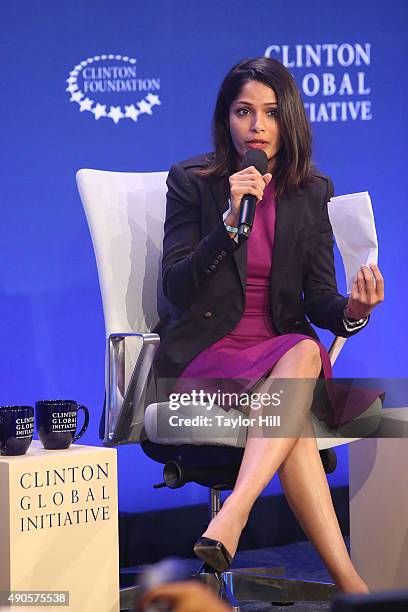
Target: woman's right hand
<point x="250" y="181"/>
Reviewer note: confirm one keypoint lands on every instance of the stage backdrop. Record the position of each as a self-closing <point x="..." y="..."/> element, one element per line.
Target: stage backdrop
<point x="131" y="86"/>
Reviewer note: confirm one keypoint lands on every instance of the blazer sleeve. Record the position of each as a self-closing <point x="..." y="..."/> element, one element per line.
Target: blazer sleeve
<point x="323" y="304"/>
<point x="189" y="261"/>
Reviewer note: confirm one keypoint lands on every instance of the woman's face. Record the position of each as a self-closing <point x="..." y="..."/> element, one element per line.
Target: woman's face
<point x="253" y="120"/>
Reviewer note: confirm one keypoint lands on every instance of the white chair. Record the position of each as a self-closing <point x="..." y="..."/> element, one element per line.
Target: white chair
<point x="125" y="213"/>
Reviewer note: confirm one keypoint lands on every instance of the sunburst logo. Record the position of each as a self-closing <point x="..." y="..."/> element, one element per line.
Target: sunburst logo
<point x="110" y="87"/>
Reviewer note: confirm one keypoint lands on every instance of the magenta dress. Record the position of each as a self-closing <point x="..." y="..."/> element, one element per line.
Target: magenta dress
<point x="253" y="348"/>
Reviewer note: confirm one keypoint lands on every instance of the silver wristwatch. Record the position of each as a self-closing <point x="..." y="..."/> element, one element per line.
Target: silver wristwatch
<point x="353" y="325"/>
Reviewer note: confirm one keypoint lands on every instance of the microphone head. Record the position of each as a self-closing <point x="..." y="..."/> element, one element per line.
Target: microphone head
<point x="256" y="158"/>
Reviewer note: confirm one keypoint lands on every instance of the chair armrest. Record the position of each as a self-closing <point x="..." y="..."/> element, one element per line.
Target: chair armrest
<point x="335" y="348"/>
<point x="125" y="411"/>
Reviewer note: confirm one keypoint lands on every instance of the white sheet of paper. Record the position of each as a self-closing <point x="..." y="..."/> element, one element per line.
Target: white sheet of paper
<point x="352" y="220"/>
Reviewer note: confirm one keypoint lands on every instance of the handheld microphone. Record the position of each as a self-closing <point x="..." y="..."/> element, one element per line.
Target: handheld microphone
<point x="258" y="159"/>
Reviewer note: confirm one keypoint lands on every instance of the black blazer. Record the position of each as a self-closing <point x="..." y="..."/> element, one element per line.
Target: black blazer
<point x="204" y="270"/>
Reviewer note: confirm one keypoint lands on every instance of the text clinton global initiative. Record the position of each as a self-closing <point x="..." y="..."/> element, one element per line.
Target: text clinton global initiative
<point x="64" y="497"/>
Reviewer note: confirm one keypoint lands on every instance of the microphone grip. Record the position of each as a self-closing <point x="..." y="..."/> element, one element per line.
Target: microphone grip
<point x="246" y="217"/>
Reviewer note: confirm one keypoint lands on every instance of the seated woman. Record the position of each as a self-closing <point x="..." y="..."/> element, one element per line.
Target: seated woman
<point x="237" y="310"/>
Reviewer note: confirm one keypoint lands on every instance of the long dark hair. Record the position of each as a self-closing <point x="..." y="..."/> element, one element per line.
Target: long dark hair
<point x="293" y="160"/>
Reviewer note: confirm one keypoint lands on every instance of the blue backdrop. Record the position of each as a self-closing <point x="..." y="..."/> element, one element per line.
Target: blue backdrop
<point x="73" y="97"/>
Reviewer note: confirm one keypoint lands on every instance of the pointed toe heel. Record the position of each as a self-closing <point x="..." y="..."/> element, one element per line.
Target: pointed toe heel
<point x="213" y="553"/>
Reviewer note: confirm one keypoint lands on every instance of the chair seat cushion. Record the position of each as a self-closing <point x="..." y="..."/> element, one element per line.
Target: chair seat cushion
<point x="188" y="426"/>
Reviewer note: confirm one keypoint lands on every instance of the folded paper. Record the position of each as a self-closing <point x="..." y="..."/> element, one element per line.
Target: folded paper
<point x="352" y="220"/>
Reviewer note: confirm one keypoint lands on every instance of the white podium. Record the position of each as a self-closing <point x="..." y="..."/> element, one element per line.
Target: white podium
<point x="59" y="526"/>
<point x="379" y="504"/>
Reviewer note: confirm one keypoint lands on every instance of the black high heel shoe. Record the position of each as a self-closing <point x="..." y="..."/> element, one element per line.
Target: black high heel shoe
<point x="213" y="553"/>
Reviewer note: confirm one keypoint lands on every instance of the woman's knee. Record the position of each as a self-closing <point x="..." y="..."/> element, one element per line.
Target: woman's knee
<point x="308" y="354"/>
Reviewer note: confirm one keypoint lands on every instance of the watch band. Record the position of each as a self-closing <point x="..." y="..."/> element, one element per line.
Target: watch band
<point x="353" y="324"/>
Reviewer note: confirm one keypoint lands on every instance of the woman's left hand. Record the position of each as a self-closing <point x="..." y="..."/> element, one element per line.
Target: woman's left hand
<point x="366" y="293"/>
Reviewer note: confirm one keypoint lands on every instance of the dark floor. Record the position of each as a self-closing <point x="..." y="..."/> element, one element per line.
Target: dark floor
<point x="300" y="560"/>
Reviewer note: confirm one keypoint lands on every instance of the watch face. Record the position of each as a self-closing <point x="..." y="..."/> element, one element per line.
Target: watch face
<point x="355" y="320"/>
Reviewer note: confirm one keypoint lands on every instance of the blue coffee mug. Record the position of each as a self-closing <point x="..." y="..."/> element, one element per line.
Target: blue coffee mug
<point x="57" y="422"/>
<point x="16" y="429"/>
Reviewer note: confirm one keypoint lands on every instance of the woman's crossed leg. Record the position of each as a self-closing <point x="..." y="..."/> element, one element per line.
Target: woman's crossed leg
<point x="300" y="470"/>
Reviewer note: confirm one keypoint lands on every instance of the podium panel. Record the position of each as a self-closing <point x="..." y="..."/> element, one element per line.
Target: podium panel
<point x="379" y="504"/>
<point x="59" y="526"/>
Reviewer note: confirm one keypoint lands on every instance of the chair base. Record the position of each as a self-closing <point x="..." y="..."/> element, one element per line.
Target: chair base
<point x="263" y="584"/>
<point x="250" y="584"/>
<point x="128" y="598"/>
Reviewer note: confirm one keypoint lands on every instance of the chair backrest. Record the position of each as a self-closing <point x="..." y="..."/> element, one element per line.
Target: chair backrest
<point x="125" y="213"/>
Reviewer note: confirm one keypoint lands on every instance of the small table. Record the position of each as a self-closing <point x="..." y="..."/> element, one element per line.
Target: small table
<point x="59" y="525"/>
<point x="379" y="504"/>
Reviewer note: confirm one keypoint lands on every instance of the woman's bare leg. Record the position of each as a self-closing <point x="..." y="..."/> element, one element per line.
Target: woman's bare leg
<point x="306" y="488"/>
<point x="308" y="495"/>
<point x="262" y="456"/>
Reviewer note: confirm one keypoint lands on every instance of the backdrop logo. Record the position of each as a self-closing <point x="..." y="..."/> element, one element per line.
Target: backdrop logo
<point x="110" y="86"/>
<point x="332" y="78"/>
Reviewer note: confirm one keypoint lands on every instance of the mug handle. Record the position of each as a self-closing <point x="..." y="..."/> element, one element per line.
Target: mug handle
<point x="86" y="422"/>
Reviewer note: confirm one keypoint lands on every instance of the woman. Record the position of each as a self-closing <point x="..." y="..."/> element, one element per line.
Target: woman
<point x="239" y="310"/>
